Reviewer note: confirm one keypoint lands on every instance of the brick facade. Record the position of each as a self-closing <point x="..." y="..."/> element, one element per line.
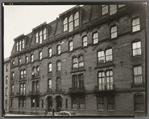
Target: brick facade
<point x="90" y="21"/>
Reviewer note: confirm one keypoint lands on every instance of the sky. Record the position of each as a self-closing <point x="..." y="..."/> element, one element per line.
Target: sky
<point x="22" y="19"/>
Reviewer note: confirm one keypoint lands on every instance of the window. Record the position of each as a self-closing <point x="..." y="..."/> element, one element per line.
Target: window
<point x="23" y="43"/>
<point x="78" y="82"/>
<point x="58" y="49"/>
<point x="65" y="24"/>
<point x="7" y="68"/>
<point x="6" y="79"/>
<point x="104" y="9"/>
<point x="58" y="84"/>
<point x="6" y="91"/>
<point x="17" y="47"/>
<point x="42" y="103"/>
<point x="37" y="37"/>
<point x="50" y="67"/>
<point x="40" y="55"/>
<point x="12" y="75"/>
<point x="81" y="61"/>
<point x="137" y="75"/>
<point x="50" y="84"/>
<point x="100" y="102"/>
<point x="113" y="32"/>
<point x="139" y="103"/>
<point x="32" y="58"/>
<point x="135" y="24"/>
<point x="84" y="41"/>
<point x="44" y="34"/>
<point x="23" y="102"/>
<point x="20" y="102"/>
<point x="26" y="59"/>
<point x="105" y="56"/>
<point x="20" y="45"/>
<point x="110" y="103"/>
<point x="70" y="45"/>
<point x="95" y="38"/>
<point x="21" y="72"/>
<point x="66" y="103"/>
<point x="35" y="86"/>
<point x="40" y="40"/>
<point x="121" y="5"/>
<point x="105" y="80"/>
<point x="37" y="102"/>
<point x="70" y="23"/>
<point x="76" y="19"/>
<point x="33" y="102"/>
<point x="75" y="62"/>
<point x="74" y="103"/>
<point x="12" y="89"/>
<point x="19" y="61"/>
<point x="50" y="52"/>
<point x="23" y="88"/>
<point x="81" y="103"/>
<point x="113" y="9"/>
<point x="58" y="65"/>
<point x="136" y="48"/>
<point x="11" y="102"/>
<point x="13" y="63"/>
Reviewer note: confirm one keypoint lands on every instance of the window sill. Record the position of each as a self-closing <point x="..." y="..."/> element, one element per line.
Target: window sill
<point x="101" y="110"/>
<point x="81" y="109"/>
<point x="73" y="109"/>
<point x="107" y="64"/>
<point x="114" y="38"/>
<point x="137" y="85"/>
<point x="137" y="56"/>
<point x="110" y="110"/>
<point x="77" y="70"/>
<point x="135" y="32"/>
<point x="140" y="111"/>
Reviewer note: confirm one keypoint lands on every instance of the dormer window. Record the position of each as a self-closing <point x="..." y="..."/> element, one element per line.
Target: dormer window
<point x="40" y="40"/>
<point x="17" y="47"/>
<point x="113" y="9"/>
<point x="20" y="45"/>
<point x="65" y="24"/>
<point x="23" y="43"/>
<point x="71" y="23"/>
<point x="76" y="19"/>
<point x="44" y="34"/>
<point x="37" y="37"/>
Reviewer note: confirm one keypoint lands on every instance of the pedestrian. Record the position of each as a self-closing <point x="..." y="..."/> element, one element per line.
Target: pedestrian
<point x="53" y="110"/>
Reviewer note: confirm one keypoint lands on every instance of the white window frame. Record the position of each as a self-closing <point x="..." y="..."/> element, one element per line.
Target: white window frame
<point x="136" y="25"/>
<point x="136" y="46"/>
<point x="76" y="19"/>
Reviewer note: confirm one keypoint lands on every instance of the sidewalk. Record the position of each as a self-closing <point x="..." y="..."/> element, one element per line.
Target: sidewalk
<point x="19" y="115"/>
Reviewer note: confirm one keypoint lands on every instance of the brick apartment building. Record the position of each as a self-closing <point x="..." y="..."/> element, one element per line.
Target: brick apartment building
<point x="90" y="60"/>
<point x="6" y="83"/>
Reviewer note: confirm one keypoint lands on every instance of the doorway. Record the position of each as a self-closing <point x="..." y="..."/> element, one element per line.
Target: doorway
<point x="58" y="103"/>
<point x="49" y="103"/>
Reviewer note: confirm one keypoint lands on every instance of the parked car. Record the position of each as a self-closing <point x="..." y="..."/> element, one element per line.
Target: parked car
<point x="65" y="113"/>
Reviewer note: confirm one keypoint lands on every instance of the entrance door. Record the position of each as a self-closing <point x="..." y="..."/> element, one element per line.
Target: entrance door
<point x="49" y="103"/>
<point x="58" y="103"/>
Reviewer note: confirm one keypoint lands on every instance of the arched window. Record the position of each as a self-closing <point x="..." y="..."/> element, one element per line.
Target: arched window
<point x="19" y="61"/>
<point x="76" y="19"/>
<point x="95" y="38"/>
<point x="26" y="59"/>
<point x="24" y="73"/>
<point x="59" y="49"/>
<point x="75" y="62"/>
<point x="50" y="67"/>
<point x="113" y="32"/>
<point x="70" y="23"/>
<point x="50" y="52"/>
<point x="58" y="65"/>
<point x="84" y="41"/>
<point x="70" y="45"/>
<point x="40" y="55"/>
<point x="65" y="24"/>
<point x="21" y="74"/>
<point x="32" y="58"/>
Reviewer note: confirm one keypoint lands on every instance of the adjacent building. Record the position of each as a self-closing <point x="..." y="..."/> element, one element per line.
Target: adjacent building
<point x="90" y="60"/>
<point x="6" y="83"/>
